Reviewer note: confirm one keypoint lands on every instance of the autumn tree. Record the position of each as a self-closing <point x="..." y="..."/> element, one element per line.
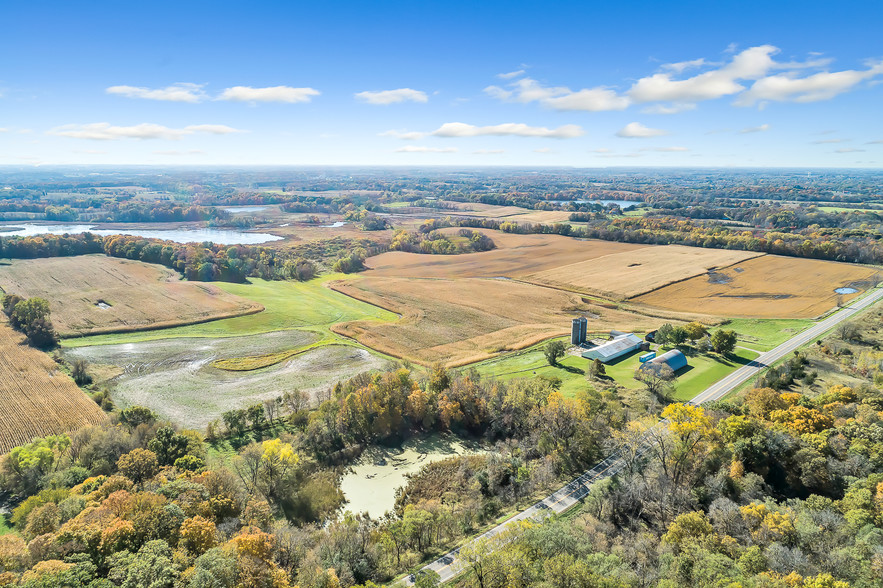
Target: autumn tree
<point x="138" y="465"/>
<point x="695" y="330"/>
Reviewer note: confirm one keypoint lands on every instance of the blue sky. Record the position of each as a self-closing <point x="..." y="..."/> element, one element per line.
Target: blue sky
<point x="583" y="84"/>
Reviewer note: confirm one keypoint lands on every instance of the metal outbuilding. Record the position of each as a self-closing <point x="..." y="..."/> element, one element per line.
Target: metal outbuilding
<point x="673" y="359"/>
<point x="615" y="348"/>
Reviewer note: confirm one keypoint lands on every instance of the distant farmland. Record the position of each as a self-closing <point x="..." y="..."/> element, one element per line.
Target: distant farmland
<point x="94" y="294"/>
<point x="766" y="287"/>
<point x="37" y="398"/>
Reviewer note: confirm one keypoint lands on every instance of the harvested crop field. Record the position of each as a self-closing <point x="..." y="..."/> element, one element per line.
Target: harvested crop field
<point x="516" y="256"/>
<point x="460" y="321"/>
<point x="38" y="399"/>
<point x="624" y="275"/>
<point x="766" y="287"/>
<point x="93" y="294"/>
<point x="509" y="213"/>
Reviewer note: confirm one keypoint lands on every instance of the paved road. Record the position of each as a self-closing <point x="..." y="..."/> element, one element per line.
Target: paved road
<point x="450" y="565"/>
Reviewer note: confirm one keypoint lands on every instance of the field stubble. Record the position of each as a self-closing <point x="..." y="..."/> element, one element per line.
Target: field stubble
<point x="91" y="294"/>
<point x="37" y="398"/>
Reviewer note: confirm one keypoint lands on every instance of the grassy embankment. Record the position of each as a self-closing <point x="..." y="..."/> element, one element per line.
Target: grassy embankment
<point x="308" y="306"/>
<point x="755" y="335"/>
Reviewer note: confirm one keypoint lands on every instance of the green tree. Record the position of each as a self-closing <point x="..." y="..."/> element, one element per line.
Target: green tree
<point x="151" y="567"/>
<point x="137" y="415"/>
<point x="679" y="335"/>
<point x="597" y="369"/>
<point x="213" y="569"/>
<point x="663" y="334"/>
<point x="554" y="350"/>
<point x="168" y="445"/>
<point x="723" y="341"/>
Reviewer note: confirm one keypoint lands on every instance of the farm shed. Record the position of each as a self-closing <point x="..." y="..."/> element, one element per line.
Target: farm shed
<point x="674" y="359"/>
<point x="618" y="347"/>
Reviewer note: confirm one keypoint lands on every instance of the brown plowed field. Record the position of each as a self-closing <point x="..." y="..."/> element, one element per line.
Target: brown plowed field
<point x="516" y="256"/>
<point x="92" y="294"/>
<point x="765" y="287"/>
<point x="36" y="399"/>
<point x="623" y="275"/>
<point x="460" y="321"/>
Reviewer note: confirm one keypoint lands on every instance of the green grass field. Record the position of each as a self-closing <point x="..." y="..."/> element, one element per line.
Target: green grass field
<point x="289" y="305"/>
<point x="703" y="371"/>
<point x="765" y="334"/>
<point x="5" y="526"/>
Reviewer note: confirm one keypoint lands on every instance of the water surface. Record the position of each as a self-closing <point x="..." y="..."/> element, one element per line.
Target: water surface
<point x="182" y="235"/>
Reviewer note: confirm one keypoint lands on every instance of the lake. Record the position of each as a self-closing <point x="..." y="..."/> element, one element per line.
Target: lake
<point x="193" y="235"/>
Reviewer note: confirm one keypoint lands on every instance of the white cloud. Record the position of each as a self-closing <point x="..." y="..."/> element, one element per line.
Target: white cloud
<point x="874" y="142"/>
<point x="824" y="141"/>
<point x="489" y="151"/>
<point x="422" y="149"/>
<point x="180" y="92"/>
<point x="270" y="94"/>
<point x="601" y="150"/>
<point x="760" y="129"/>
<point x="393" y="96"/>
<point x="750" y="64"/>
<point x="592" y="100"/>
<point x="849" y="150"/>
<point x="637" y="130"/>
<point x="680" y="66"/>
<point x="458" y="129"/>
<point x="666" y="149"/>
<point x="406" y="135"/>
<point x="106" y="132"/>
<point x="824" y="85"/>
<point x="4" y="130"/>
<point x="560" y="98"/>
<point x="511" y="74"/>
<point x="190" y="152"/>
<point x="544" y="150"/>
<point x="668" y="108"/>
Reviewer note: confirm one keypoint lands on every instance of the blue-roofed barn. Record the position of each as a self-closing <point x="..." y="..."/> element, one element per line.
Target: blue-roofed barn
<point x="673" y="359"/>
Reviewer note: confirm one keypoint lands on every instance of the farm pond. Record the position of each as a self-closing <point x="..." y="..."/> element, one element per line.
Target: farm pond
<point x="370" y="484"/>
<point x="179" y="235"/>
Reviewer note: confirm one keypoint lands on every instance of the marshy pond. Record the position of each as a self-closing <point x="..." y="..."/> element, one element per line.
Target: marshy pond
<point x="370" y="484"/>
